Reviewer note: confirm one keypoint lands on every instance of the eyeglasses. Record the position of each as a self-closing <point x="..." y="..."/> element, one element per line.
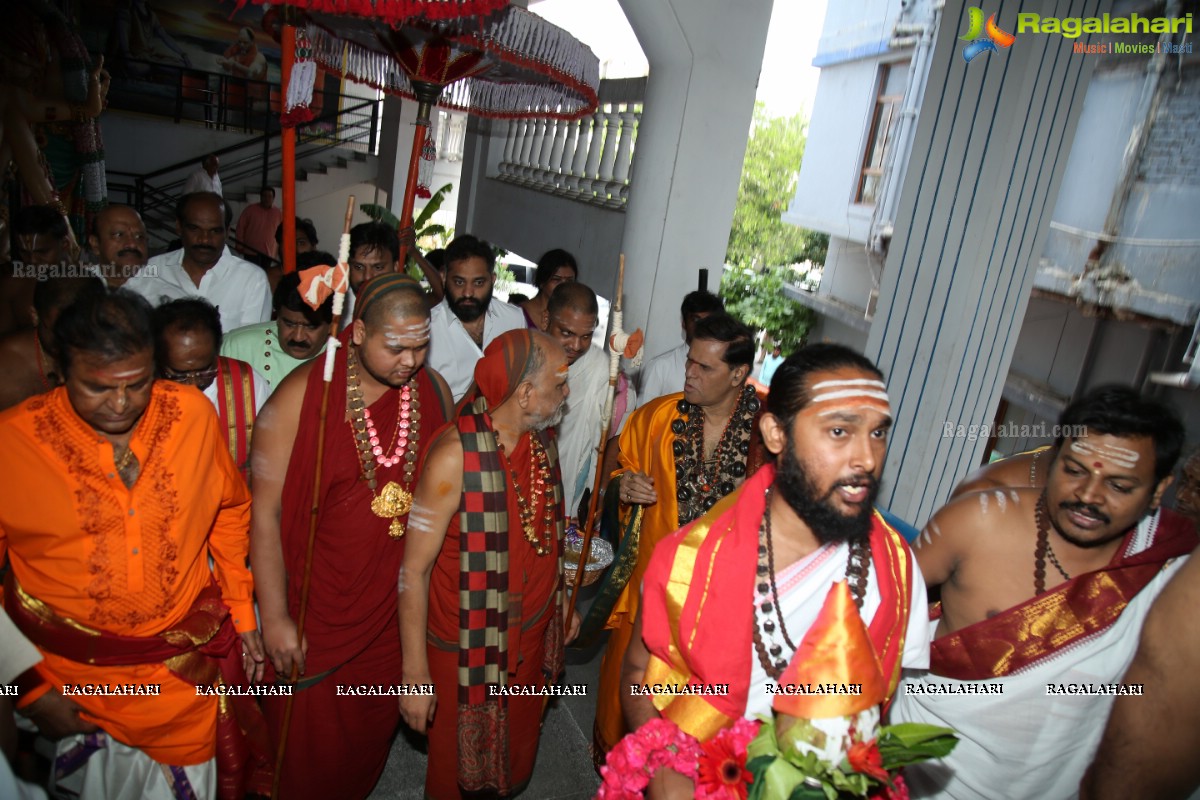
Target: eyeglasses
<point x="195" y="377"/>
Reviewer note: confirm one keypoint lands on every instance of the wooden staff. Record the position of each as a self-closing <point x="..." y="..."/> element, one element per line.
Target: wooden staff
<point x="339" y="300"/>
<point x="287" y="144"/>
<point x="614" y="366"/>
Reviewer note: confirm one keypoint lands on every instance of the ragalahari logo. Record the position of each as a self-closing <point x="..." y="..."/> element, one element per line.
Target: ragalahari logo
<point x="983" y="36"/>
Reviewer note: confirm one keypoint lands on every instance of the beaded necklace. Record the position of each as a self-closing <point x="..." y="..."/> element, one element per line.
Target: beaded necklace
<point x="540" y="477"/>
<point x="395" y="500"/>
<point x="701" y="482"/>
<point x="1043" y="549"/>
<point x="858" y="568"/>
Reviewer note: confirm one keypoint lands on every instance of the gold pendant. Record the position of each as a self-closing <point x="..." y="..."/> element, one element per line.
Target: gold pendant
<point x="392" y="502"/>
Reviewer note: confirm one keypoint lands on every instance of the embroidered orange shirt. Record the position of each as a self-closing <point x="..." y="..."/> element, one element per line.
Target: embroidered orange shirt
<point x="127" y="561"/>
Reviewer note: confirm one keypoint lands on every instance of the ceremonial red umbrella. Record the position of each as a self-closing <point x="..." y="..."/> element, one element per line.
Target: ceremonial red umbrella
<point x="509" y="64"/>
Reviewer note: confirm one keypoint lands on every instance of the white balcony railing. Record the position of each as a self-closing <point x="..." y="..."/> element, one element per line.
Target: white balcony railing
<point x="451" y="133"/>
<point x="588" y="160"/>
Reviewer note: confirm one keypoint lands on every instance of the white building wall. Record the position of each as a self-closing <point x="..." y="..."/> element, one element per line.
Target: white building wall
<point x="824" y="199"/>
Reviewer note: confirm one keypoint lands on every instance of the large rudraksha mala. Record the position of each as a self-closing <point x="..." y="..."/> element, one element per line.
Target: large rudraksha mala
<point x="700" y="482"/>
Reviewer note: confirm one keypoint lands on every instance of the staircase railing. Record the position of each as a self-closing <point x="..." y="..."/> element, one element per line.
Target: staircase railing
<point x="255" y="162"/>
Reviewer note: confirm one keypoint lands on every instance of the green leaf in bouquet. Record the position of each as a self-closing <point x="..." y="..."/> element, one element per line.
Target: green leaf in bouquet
<point x="808" y="792"/>
<point x="855" y="783"/>
<point x="764" y="743"/>
<point x="912" y="742"/>
<point x="775" y="779"/>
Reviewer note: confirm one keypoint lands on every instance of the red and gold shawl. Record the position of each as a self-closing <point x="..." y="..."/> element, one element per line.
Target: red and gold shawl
<point x="695" y="638"/>
<point x="1082" y="607"/>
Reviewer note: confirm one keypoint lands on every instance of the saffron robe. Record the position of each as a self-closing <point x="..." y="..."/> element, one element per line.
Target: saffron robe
<point x="695" y="638"/>
<point x="127" y="561"/>
<point x="646" y="446"/>
<point x="351" y="627"/>
<point x="1013" y="731"/>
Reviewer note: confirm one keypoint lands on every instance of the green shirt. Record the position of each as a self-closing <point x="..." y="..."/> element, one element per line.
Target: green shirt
<point x="258" y="345"/>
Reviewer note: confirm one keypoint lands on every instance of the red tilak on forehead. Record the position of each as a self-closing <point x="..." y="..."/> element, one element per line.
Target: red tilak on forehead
<point x="1097" y="464"/>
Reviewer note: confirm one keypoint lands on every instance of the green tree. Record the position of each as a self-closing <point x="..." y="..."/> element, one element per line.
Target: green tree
<point x="761" y="245"/>
<point x="759" y="237"/>
<point x="756" y="298"/>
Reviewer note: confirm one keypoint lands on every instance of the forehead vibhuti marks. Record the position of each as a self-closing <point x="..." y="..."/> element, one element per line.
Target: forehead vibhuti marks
<point x="1120" y="456"/>
<point x="839" y="396"/>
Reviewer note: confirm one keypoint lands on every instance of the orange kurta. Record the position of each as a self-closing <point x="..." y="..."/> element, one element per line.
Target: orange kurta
<point x="127" y="561"/>
<point x="646" y="446"/>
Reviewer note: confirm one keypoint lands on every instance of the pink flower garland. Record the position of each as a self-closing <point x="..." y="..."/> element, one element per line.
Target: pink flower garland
<point x="632" y="763"/>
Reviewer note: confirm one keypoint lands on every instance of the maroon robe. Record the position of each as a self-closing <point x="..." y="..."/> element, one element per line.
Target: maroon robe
<point x="338" y="745"/>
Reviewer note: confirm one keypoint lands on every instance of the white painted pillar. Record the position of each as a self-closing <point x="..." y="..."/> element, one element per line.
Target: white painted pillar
<point x="510" y="146"/>
<point x="588" y="184"/>
<point x="579" y="161"/>
<point x="988" y="154"/>
<point x="621" y="165"/>
<point x="705" y="57"/>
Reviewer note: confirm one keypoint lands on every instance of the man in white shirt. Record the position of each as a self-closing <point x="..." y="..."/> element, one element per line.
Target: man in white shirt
<point x="664" y="373"/>
<point x="206" y="178"/>
<point x="466" y="321"/>
<point x="570" y="319"/>
<point x="206" y="267"/>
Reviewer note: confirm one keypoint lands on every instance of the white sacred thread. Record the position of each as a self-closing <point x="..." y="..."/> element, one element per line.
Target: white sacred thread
<point x="1118" y="455"/>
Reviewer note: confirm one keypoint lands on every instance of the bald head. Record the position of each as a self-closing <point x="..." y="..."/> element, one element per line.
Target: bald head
<point x="571" y="317"/>
<point x="543" y="391"/>
<point x="403" y="301"/>
<point x="391" y="332"/>
<point x="574" y="296"/>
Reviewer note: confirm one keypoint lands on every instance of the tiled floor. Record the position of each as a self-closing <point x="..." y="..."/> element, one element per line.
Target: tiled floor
<point x="563" y="770"/>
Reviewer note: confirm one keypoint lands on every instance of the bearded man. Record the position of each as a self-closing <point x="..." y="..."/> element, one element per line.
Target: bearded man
<point x="384" y="405"/>
<point x="467" y="320"/>
<point x="1043" y="594"/>
<point x="481" y="594"/>
<point x="766" y="556"/>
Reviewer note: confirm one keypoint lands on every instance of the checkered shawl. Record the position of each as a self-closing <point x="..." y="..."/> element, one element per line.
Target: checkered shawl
<point x="483" y="656"/>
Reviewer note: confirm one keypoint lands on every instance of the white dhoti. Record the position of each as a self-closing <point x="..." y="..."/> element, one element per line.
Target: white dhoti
<point x="1017" y="739"/>
<point x="98" y="767"/>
